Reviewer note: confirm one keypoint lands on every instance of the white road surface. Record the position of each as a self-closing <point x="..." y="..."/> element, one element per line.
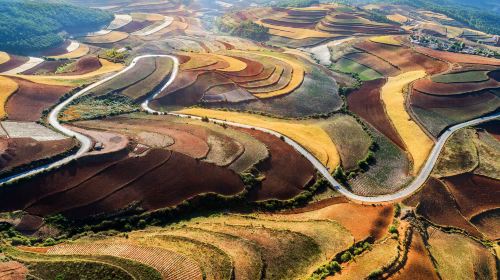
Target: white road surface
<point x="86" y="143"/>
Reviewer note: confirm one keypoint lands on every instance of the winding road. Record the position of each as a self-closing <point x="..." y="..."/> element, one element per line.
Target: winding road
<point x="86" y="143"/>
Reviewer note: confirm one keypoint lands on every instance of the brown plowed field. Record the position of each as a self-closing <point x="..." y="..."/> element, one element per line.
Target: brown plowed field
<point x="286" y="171"/>
<point x="265" y="74"/>
<point x="12" y="270"/>
<point x="473" y="193"/>
<point x="28" y="103"/>
<point x="61" y="49"/>
<point x="458" y="57"/>
<point x="101" y="185"/>
<point x="438" y="205"/>
<point x="418" y="265"/>
<point x="428" y="101"/>
<point x="404" y="58"/>
<point x="85" y="65"/>
<point x="366" y="103"/>
<point x="180" y="178"/>
<point x="427" y="86"/>
<point x="25" y="150"/>
<point x="46" y="67"/>
<point x="488" y="223"/>
<point x="15" y="61"/>
<point x="374" y="63"/>
<point x="135" y="26"/>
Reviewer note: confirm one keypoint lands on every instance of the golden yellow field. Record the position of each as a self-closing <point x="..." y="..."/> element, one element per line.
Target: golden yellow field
<point x="198" y="61"/>
<point x="235" y="65"/>
<point x="417" y="142"/>
<point x="76" y="80"/>
<point x="4" y="57"/>
<point x="79" y="52"/>
<point x="397" y="18"/>
<point x="294" y="33"/>
<point x="7" y="88"/>
<point x="310" y="136"/>
<point x="111" y="37"/>
<point x="388" y="40"/>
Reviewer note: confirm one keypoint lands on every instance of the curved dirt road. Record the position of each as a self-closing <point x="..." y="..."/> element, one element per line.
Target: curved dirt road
<point x="86" y="143"/>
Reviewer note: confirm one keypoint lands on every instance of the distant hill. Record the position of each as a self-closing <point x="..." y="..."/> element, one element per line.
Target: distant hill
<point x="35" y="25"/>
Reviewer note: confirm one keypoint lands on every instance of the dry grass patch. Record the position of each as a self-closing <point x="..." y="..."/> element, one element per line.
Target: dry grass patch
<point x="458" y="257"/>
<point x="294" y="33"/>
<point x="74" y="80"/>
<point x="459" y="155"/>
<point x="381" y="255"/>
<point x="147" y="17"/>
<point x="311" y="137"/>
<point x="489" y="154"/>
<point x="79" y="52"/>
<point x="198" y="61"/>
<point x="7" y="88"/>
<point x="397" y="18"/>
<point x="418" y="144"/>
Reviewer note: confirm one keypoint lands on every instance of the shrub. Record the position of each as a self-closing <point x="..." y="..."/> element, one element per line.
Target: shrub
<point x="346" y="256"/>
<point x="393" y="229"/>
<point x="375" y="274"/>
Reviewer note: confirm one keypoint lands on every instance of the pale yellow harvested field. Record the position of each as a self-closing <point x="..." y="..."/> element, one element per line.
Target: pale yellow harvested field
<point x="4" y="57"/>
<point x="7" y="88"/>
<point x="235" y="65"/>
<point x="388" y="40"/>
<point x="418" y="144"/>
<point x="107" y="67"/>
<point x="198" y="61"/>
<point x="310" y="136"/>
<point x="79" y="52"/>
<point x="294" y="33"/>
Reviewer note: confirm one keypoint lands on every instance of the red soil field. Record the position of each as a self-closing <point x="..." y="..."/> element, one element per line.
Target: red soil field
<point x="268" y="70"/>
<point x="418" y="265"/>
<point x="175" y="95"/>
<point x="366" y="103"/>
<point x="253" y="68"/>
<point x="427" y="86"/>
<point x="404" y="58"/>
<point x="85" y="65"/>
<point x="21" y="151"/>
<point x="135" y="26"/>
<point x="373" y="62"/>
<point x="488" y="223"/>
<point x="438" y="205"/>
<point x="458" y="57"/>
<point x="101" y="185"/>
<point x="428" y="101"/>
<point x="45" y="67"/>
<point x="286" y="171"/>
<point x="474" y="193"/>
<point x="61" y="49"/>
<point x="14" y="62"/>
<point x="12" y="270"/>
<point x="29" y="101"/>
<point x="180" y="178"/>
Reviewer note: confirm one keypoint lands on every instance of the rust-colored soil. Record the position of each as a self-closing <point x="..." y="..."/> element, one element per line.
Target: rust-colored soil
<point x="286" y="171"/>
<point x="46" y="67"/>
<point x="366" y="103"/>
<point x="28" y="103"/>
<point x="488" y="223"/>
<point x="402" y="57"/>
<point x="457" y="57"/>
<point x="86" y="65"/>
<point x="135" y="26"/>
<point x="427" y="86"/>
<point x="493" y="128"/>
<point x="25" y="150"/>
<point x="438" y="205"/>
<point x="418" y="265"/>
<point x="12" y="270"/>
<point x="474" y="193"/>
<point x="61" y="49"/>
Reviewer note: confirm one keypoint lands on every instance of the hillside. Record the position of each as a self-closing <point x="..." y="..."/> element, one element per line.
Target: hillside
<point x="32" y="26"/>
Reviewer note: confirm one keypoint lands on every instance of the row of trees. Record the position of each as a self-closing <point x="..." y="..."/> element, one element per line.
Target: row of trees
<point x="32" y="26"/>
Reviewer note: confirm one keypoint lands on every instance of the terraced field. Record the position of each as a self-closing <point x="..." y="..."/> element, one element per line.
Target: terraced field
<point x="9" y="87"/>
